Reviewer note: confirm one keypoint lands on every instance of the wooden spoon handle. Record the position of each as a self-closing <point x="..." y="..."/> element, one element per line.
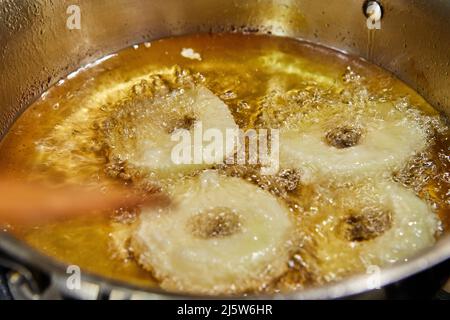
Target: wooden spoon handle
<point x="31" y="203"/>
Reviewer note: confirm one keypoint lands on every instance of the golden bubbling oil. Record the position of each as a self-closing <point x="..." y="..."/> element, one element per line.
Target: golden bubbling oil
<point x="266" y="82"/>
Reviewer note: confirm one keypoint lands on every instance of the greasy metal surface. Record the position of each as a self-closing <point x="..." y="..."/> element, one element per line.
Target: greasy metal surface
<point x="37" y="49"/>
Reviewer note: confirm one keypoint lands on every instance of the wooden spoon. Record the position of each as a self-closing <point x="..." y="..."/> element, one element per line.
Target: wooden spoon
<point x="33" y="203"/>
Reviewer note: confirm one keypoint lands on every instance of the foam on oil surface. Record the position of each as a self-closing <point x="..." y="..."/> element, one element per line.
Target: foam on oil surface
<point x="267" y="82"/>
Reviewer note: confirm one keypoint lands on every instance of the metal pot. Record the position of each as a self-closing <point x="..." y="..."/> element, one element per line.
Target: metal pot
<point x="38" y="47"/>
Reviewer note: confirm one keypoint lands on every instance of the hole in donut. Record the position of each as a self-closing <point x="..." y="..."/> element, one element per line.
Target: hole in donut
<point x="343" y="137"/>
<point x="368" y="224"/>
<point x="217" y="222"/>
<point x="186" y="122"/>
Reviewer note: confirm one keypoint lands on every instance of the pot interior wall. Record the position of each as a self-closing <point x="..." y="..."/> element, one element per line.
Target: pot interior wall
<point x="37" y="48"/>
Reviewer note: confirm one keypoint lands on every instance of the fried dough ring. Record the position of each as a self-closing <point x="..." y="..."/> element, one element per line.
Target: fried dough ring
<point x="342" y="146"/>
<point x="384" y="224"/>
<point x="222" y="236"/>
<point x="139" y="133"/>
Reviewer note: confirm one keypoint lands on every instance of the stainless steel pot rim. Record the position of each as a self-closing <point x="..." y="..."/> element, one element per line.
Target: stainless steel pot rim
<point x="349" y="286"/>
<point x="413" y="44"/>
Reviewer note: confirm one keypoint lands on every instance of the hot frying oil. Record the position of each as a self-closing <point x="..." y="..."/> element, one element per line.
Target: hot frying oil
<point x="265" y="81"/>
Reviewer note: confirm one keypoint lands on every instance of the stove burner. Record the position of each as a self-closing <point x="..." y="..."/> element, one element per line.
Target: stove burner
<point x="4" y="292"/>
